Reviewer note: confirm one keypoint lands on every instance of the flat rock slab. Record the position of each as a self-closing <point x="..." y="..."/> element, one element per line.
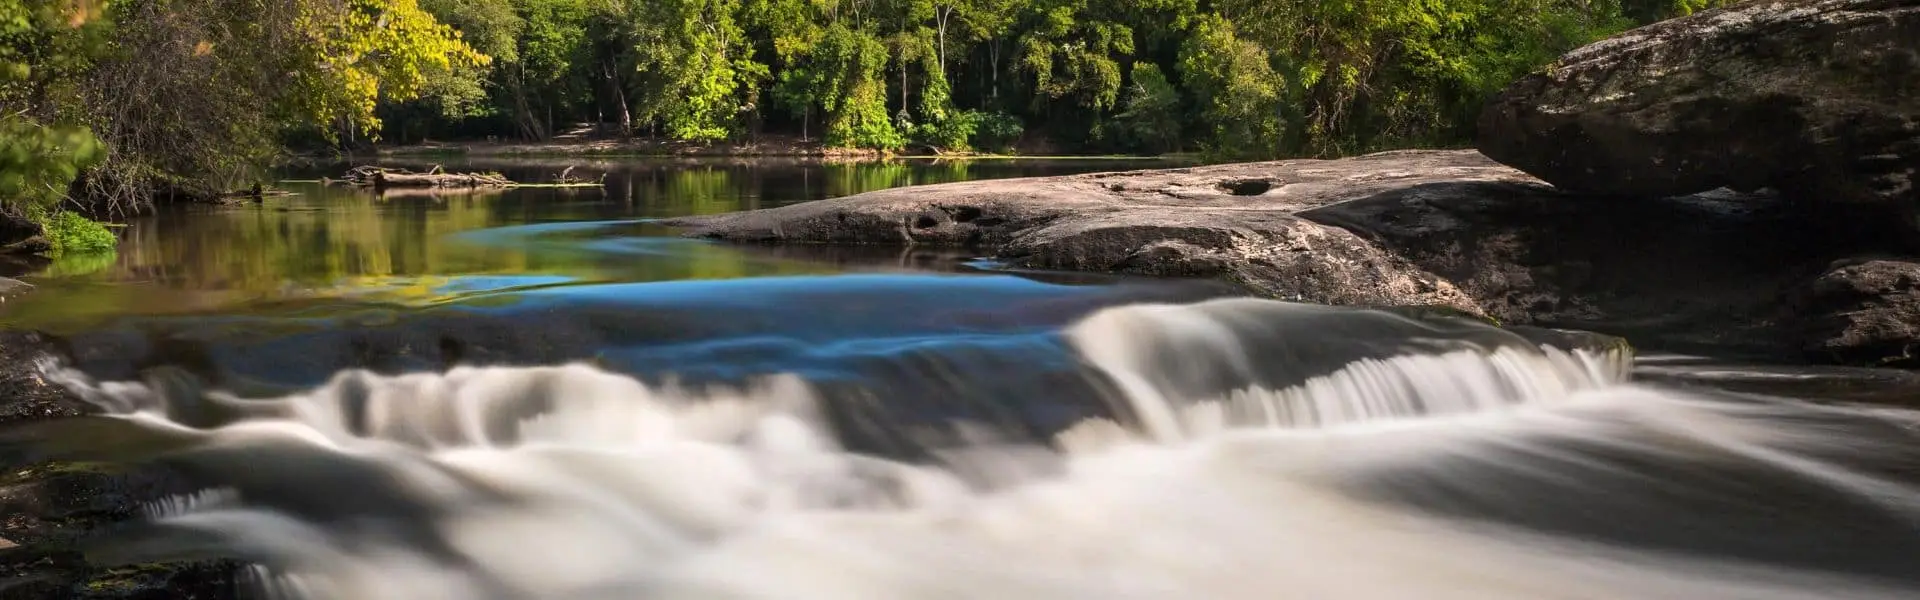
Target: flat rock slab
<point x="1241" y="222"/>
<point x="1410" y="228"/>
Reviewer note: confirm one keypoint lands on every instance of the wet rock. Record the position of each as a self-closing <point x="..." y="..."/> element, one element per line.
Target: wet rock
<point x="1817" y="98"/>
<point x="13" y="287"/>
<point x="46" y="508"/>
<point x="1865" y="312"/>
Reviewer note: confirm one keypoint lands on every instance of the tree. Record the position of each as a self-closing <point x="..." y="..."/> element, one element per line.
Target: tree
<point x="1153" y="112"/>
<point x="693" y="57"/>
<point x="42" y="153"/>
<point x="1237" y="91"/>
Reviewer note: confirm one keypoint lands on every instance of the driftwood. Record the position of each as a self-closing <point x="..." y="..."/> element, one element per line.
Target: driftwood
<point x="383" y="177"/>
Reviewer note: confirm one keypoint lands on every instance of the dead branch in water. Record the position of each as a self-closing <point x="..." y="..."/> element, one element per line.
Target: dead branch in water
<point x="385" y="177"/>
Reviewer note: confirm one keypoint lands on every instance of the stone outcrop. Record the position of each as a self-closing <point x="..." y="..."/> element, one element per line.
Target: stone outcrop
<point x="1819" y="99"/>
<point x="1865" y="311"/>
<point x="1428" y="228"/>
<point x="1243" y="223"/>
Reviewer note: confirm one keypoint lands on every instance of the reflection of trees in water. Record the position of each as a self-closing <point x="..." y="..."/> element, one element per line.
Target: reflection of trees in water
<point x="331" y="241"/>
<point x="321" y="237"/>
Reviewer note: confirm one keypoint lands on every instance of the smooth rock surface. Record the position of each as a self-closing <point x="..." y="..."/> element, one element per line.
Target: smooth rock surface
<point x="1422" y="228"/>
<point x="1817" y="98"/>
<point x="1237" y="222"/>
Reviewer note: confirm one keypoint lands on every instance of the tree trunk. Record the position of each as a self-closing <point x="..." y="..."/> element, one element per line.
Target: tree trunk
<point x="626" y="115"/>
<point x="993" y="62"/>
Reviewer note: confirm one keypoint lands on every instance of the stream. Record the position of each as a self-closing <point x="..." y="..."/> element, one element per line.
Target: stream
<point x="535" y="393"/>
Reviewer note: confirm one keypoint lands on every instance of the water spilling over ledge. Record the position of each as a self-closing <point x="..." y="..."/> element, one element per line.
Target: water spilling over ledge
<point x="1232" y="449"/>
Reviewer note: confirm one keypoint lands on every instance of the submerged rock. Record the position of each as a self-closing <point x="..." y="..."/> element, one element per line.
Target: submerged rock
<point x="13" y="287"/>
<point x="1445" y="229"/>
<point x="1817" y="98"/>
<point x="46" y="509"/>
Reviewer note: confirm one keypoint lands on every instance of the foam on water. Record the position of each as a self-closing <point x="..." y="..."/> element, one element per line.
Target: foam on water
<point x="1257" y="450"/>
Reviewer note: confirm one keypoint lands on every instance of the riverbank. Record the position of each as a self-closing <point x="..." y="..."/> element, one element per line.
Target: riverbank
<point x="766" y="147"/>
<point x="643" y="147"/>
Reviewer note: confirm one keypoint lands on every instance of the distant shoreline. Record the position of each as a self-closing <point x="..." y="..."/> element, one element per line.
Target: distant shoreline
<point x="771" y="147"/>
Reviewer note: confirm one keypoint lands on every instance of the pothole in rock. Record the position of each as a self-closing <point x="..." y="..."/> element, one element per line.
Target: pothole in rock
<point x="1246" y="187"/>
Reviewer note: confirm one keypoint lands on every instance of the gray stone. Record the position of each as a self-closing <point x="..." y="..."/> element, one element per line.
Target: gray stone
<point x="1237" y="222"/>
<point x="1865" y="312"/>
<point x="1817" y="98"/>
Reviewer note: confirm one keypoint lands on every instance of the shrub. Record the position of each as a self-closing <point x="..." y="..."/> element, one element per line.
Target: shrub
<point x="71" y="233"/>
<point x="995" y="131"/>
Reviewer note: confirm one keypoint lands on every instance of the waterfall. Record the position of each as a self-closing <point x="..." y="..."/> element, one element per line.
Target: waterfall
<point x="1254" y="450"/>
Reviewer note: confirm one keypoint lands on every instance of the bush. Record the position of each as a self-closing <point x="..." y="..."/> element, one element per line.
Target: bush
<point x="71" y="233"/>
<point x="995" y="131"/>
<point x="952" y="133"/>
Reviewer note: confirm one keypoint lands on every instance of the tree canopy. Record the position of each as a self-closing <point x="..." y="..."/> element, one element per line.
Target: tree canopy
<point x="1236" y="78"/>
<point x="111" y="103"/>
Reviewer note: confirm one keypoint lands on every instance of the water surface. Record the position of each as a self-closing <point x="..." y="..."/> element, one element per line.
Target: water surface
<point x="420" y="247"/>
<point x="535" y="394"/>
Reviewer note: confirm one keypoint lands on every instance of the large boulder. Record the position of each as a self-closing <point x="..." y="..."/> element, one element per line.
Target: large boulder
<point x="1819" y="99"/>
<point x="1863" y="311"/>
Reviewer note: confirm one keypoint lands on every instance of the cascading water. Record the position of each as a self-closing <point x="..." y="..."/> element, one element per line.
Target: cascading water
<point x="1255" y="450"/>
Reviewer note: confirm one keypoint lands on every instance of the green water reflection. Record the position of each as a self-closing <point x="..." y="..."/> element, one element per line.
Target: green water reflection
<point x="335" y="242"/>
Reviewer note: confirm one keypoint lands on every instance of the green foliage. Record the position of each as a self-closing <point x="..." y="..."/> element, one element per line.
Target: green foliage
<point x="1238" y="78"/>
<point x="1153" y="114"/>
<point x="1241" y="78"/>
<point x="71" y="233"/>
<point x="38" y="162"/>
<point x="1072" y="57"/>
<point x="354" y="54"/>
<point x="691" y="56"/>
<point x="850" y="84"/>
<point x="491" y="28"/>
<point x="952" y="131"/>
<point x="1236" y="89"/>
<point x="995" y="131"/>
<point x="42" y="42"/>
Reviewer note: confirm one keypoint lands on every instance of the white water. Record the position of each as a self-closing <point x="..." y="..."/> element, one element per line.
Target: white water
<point x="569" y="482"/>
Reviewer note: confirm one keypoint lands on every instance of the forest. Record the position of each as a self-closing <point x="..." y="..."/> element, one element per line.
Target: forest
<point x="107" y="106"/>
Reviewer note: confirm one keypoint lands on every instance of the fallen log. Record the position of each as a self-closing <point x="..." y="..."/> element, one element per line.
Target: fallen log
<point x="385" y="177"/>
<point x="396" y="179"/>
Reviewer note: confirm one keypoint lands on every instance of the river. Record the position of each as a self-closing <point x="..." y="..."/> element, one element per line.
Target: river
<point x="536" y="394"/>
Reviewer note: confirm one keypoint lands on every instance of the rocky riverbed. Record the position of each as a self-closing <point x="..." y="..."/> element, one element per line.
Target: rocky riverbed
<point x="1752" y="272"/>
<point x="1741" y="179"/>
